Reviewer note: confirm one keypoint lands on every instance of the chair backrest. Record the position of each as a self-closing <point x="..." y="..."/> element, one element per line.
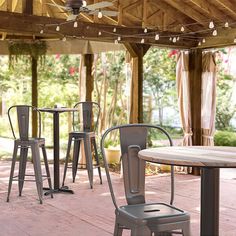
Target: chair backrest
<point x="19" y="118"/>
<point x="86" y="119"/>
<point x="133" y="138"/>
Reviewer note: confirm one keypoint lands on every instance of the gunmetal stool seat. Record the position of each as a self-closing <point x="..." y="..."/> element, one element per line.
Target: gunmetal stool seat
<point x="85" y="122"/>
<point x="24" y="143"/>
<point x="143" y="219"/>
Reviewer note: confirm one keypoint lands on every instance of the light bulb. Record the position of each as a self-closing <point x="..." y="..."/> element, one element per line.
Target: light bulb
<point x="174" y="40"/>
<point x="99" y="14"/>
<point x="84" y="3"/>
<point x="203" y="40"/>
<point x="58" y="28"/>
<point x="178" y="38"/>
<point x="41" y="31"/>
<point x="226" y="24"/>
<point x="211" y="25"/>
<point x="99" y="33"/>
<point x="64" y="39"/>
<point x="114" y="30"/>
<point x="235" y="40"/>
<point x="199" y="43"/>
<point x="170" y="38"/>
<point x="119" y="38"/>
<point x="142" y="41"/>
<point x="145" y="30"/>
<point x="157" y="37"/>
<point x="214" y="33"/>
<point x="182" y="29"/>
<point x="116" y="41"/>
<point x="75" y="24"/>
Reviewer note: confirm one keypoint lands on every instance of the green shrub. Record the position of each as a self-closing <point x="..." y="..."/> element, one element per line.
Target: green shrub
<point x="225" y="138"/>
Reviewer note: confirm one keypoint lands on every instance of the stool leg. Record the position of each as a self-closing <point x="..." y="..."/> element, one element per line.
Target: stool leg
<point x="75" y="158"/>
<point x="47" y="169"/>
<point x="89" y="161"/>
<point x="67" y="158"/>
<point x="97" y="159"/>
<point x="37" y="170"/>
<point x="12" y="170"/>
<point x="22" y="167"/>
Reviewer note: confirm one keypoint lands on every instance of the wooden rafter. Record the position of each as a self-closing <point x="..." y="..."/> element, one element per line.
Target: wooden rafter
<point x="188" y="11"/>
<point x="144" y="22"/>
<point x="228" y="5"/>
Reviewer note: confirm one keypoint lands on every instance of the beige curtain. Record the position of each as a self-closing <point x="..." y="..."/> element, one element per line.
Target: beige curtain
<point x="183" y="89"/>
<point x="208" y="98"/>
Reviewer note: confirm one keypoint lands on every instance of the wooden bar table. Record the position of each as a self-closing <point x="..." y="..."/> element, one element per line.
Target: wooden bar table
<point x="56" y="146"/>
<point x="209" y="159"/>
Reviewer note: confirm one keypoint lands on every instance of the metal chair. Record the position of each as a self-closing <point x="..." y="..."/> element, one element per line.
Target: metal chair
<point x="85" y="122"/>
<point x="143" y="219"/>
<point x="24" y="141"/>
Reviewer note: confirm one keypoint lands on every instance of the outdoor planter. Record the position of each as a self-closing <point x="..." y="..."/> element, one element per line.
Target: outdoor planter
<point x="112" y="155"/>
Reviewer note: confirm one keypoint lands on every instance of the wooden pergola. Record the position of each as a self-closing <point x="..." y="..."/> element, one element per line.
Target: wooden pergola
<point x="193" y="25"/>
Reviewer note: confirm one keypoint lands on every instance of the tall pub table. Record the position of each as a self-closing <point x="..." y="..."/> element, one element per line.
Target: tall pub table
<point x="209" y="159"/>
<point x="56" y="147"/>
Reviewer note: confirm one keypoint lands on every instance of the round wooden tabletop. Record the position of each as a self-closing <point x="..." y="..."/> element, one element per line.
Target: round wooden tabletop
<point x="195" y="156"/>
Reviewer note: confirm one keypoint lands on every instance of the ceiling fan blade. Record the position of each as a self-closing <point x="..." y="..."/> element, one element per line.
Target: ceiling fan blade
<point x="71" y="17"/>
<point x="104" y="12"/>
<point x="59" y="6"/>
<point x="98" y="5"/>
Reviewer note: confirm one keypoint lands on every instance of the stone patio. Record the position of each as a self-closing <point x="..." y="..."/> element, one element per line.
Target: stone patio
<point x="91" y="212"/>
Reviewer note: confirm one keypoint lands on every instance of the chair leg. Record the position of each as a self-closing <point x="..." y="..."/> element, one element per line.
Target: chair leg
<point x="37" y="170"/>
<point x="75" y="158"/>
<point x="97" y="159"/>
<point x="22" y="167"/>
<point x="186" y="229"/>
<point x="89" y="161"/>
<point x="47" y="169"/>
<point x="67" y="159"/>
<point x="117" y="230"/>
<point x="140" y="231"/>
<point x="12" y="170"/>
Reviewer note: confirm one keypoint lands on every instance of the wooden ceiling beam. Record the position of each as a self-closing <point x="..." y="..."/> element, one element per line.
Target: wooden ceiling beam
<point x="31" y="24"/>
<point x="228" y="5"/>
<point x="188" y="11"/>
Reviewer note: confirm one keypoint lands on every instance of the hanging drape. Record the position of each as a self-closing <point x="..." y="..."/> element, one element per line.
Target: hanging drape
<point x="183" y="89"/>
<point x="208" y="108"/>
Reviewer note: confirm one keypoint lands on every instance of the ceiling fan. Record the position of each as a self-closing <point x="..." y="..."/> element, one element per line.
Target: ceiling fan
<point x="75" y="7"/>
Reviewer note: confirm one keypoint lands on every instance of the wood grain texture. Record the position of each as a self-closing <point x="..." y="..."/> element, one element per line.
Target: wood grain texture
<point x="195" y="156"/>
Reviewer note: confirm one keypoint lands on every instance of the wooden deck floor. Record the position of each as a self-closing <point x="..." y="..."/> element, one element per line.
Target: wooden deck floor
<point x="91" y="212"/>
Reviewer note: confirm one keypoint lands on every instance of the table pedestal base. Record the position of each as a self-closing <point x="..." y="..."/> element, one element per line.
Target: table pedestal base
<point x="63" y="189"/>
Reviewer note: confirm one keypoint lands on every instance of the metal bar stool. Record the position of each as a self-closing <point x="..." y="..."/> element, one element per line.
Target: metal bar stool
<point x="84" y="127"/>
<point x="24" y="142"/>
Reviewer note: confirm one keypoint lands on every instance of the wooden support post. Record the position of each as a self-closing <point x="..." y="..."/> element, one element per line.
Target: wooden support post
<point x="195" y="73"/>
<point x="137" y="51"/>
<point x="27" y="6"/>
<point x="88" y="63"/>
<point x="34" y="65"/>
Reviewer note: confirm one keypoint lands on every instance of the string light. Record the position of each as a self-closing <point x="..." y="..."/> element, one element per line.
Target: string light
<point x="199" y="43"/>
<point x="114" y="30"/>
<point x="99" y="14"/>
<point x="178" y="38"/>
<point x="203" y="40"/>
<point x="119" y="38"/>
<point x="84" y="3"/>
<point x="174" y="40"/>
<point x="145" y="30"/>
<point x="58" y="28"/>
<point x="116" y="41"/>
<point x="99" y="33"/>
<point x="214" y="32"/>
<point x="182" y="29"/>
<point x="75" y="24"/>
<point x="64" y="39"/>
<point x="170" y="38"/>
<point x="41" y="31"/>
<point x="142" y="41"/>
<point x="157" y="37"/>
<point x="235" y="40"/>
<point x="211" y="25"/>
<point x="226" y="24"/>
